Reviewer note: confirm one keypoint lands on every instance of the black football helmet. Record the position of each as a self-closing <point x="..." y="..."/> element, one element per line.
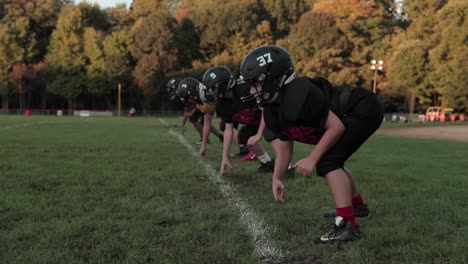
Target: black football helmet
<point x="269" y="65"/>
<point x="171" y="87"/>
<point x="189" y="90"/>
<point x="218" y="82"/>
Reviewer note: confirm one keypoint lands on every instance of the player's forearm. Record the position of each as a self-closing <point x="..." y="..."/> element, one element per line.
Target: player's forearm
<point x="283" y="151"/>
<point x="329" y="138"/>
<point x="227" y="140"/>
<point x="261" y="127"/>
<point x="206" y="128"/>
<point x="334" y="130"/>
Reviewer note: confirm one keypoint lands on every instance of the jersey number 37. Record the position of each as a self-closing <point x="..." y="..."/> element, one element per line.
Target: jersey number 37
<point x="264" y="59"/>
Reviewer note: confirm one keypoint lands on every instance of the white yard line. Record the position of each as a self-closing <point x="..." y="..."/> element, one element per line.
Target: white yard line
<point x="256" y="227"/>
<point x="26" y="125"/>
<point x="38" y="123"/>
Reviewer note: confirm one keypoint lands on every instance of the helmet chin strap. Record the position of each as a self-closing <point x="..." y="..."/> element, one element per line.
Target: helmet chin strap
<point x="231" y="83"/>
<point x="290" y="78"/>
<point x="247" y="98"/>
<point x="266" y="97"/>
<point x="273" y="98"/>
<point x="282" y="82"/>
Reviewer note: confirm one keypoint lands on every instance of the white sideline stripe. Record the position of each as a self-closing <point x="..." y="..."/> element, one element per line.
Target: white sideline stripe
<point x="38" y="123"/>
<point x="26" y="125"/>
<point x="258" y="230"/>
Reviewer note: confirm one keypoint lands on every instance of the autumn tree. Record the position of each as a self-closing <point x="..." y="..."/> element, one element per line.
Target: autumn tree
<point x="43" y="15"/>
<point x="418" y="34"/>
<point x="119" y="18"/>
<point x="285" y="13"/>
<point x="95" y="66"/>
<point x="319" y="56"/>
<point x="66" y="56"/>
<point x="118" y="62"/>
<point x="448" y="58"/>
<point x="220" y="21"/>
<point x="154" y="50"/>
<point x="187" y="51"/>
<point x="17" y="49"/>
<point x="143" y="8"/>
<point x="408" y="70"/>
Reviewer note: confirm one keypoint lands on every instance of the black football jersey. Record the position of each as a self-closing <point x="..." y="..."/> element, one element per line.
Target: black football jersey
<point x="233" y="110"/>
<point x="302" y="108"/>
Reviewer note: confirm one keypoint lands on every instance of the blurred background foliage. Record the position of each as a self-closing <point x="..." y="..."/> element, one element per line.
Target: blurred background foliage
<point x="55" y="54"/>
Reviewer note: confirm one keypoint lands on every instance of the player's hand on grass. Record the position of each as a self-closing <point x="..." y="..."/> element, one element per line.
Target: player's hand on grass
<point x="305" y="166"/>
<point x="202" y="151"/>
<point x="182" y="130"/>
<point x="278" y="190"/>
<point x="225" y="162"/>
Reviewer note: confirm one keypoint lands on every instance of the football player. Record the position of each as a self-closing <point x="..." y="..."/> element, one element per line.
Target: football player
<point x="190" y="111"/>
<point x="188" y="90"/>
<point x="220" y="88"/>
<point x="338" y="120"/>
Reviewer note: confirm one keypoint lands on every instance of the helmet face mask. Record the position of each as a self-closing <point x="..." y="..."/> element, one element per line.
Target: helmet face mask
<point x="171" y="87"/>
<point x="271" y="67"/>
<point x="219" y="82"/>
<point x="205" y="94"/>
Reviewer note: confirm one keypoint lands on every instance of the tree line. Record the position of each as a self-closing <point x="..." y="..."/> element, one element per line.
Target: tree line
<point x="55" y="54"/>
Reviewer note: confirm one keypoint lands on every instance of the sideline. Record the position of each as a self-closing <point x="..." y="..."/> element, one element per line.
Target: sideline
<point x="39" y="123"/>
<point x="26" y="125"/>
<point x="258" y="230"/>
<point x="452" y="133"/>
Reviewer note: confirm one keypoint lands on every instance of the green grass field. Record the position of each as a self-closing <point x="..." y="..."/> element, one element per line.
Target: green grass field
<point x="130" y="190"/>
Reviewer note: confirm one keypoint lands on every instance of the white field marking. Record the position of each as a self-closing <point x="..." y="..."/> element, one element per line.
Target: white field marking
<point x="26" y="125"/>
<point x="38" y="123"/>
<point x="258" y="230"/>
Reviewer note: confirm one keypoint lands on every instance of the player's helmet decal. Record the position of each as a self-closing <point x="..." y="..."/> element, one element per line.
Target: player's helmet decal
<point x="270" y="66"/>
<point x="218" y="82"/>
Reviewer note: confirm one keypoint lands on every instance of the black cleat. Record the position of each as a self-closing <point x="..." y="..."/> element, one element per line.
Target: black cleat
<point x="290" y="172"/>
<point x="242" y="152"/>
<point x="267" y="167"/>
<point x="340" y="231"/>
<point x="360" y="211"/>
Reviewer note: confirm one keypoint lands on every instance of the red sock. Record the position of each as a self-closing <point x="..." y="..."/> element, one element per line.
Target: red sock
<point x="357" y="200"/>
<point x="348" y="214"/>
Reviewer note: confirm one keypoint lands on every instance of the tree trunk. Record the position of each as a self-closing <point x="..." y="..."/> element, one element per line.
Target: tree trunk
<point x="44" y="99"/>
<point x="411" y="102"/>
<point x="28" y="99"/>
<point x="20" y="96"/>
<point x="5" y="103"/>
<point x="435" y="100"/>
<point x="70" y="106"/>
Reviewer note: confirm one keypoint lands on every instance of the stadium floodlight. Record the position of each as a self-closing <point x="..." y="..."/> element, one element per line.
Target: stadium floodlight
<point x="376" y="66"/>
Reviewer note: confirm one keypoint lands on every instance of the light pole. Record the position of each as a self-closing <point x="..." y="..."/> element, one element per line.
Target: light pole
<point x="376" y="66"/>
